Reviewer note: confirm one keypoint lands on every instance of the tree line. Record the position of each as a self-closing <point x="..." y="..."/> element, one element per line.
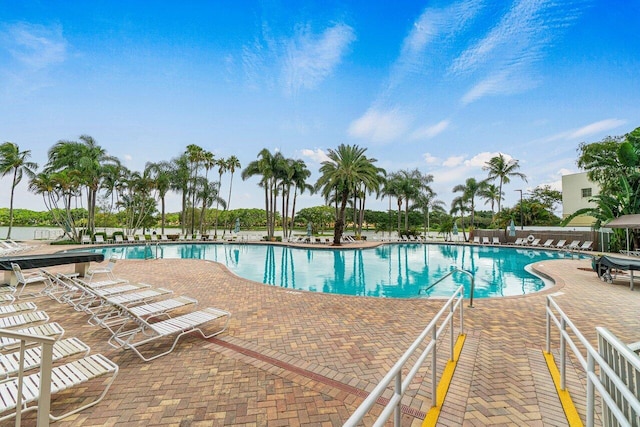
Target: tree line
<point x="81" y="174"/>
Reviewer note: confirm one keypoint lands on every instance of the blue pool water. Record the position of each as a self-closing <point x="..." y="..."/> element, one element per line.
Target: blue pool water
<point x="389" y="271"/>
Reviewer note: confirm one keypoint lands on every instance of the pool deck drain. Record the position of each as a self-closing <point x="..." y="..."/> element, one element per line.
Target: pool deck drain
<point x="501" y="379"/>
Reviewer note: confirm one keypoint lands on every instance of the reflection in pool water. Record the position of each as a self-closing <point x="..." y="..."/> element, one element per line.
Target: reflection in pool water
<point x="391" y="271"/>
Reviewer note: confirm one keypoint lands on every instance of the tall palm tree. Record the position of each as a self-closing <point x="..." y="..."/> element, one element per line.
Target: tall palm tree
<point x="265" y="166"/>
<point x="180" y="179"/>
<point x="470" y="190"/>
<point x="222" y="167"/>
<point x="13" y="161"/>
<point x="299" y="180"/>
<point x="195" y="155"/>
<point x="503" y="170"/>
<point x="208" y="162"/>
<point x="161" y="174"/>
<point x="232" y="164"/>
<point x="393" y="188"/>
<point x="426" y="202"/>
<point x="346" y="168"/>
<point x="459" y="206"/>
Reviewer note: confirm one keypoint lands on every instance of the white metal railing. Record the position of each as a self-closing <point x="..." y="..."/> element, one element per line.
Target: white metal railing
<point x="395" y="374"/>
<point x="44" y="401"/>
<point x="617" y="386"/>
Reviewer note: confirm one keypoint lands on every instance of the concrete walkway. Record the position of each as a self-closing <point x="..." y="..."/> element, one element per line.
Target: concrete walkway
<point x="297" y="358"/>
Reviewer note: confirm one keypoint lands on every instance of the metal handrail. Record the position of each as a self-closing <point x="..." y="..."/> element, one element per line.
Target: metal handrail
<point x="395" y="374"/>
<point x="589" y="363"/>
<point x="44" y="400"/>
<point x="455" y="269"/>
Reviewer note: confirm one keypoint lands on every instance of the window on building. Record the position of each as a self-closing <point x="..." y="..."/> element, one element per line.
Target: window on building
<point x="586" y="192"/>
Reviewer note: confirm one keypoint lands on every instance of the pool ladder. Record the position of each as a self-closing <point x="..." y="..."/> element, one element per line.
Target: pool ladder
<point x="151" y="256"/>
<point x="455" y="269"/>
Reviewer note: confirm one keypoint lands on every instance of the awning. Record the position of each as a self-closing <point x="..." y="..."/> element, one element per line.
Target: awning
<point x="625" y="221"/>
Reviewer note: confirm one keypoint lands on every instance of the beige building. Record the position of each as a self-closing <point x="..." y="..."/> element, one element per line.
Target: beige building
<point x="577" y="190"/>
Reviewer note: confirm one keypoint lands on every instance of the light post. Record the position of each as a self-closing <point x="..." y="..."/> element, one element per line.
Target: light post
<point x="521" y="216"/>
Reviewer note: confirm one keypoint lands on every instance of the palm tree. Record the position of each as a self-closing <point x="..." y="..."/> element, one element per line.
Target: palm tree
<point x="222" y="167"/>
<point x="161" y="174"/>
<point x="346" y="169"/>
<point x="503" y="170"/>
<point x="232" y="164"/>
<point x="90" y="160"/>
<point x="265" y="166"/>
<point x="208" y="162"/>
<point x="299" y="180"/>
<point x="459" y="206"/>
<point x="427" y="202"/>
<point x="491" y="194"/>
<point x="12" y="160"/>
<point x="470" y="190"/>
<point x="393" y="188"/>
<point x="180" y="179"/>
<point x="195" y="156"/>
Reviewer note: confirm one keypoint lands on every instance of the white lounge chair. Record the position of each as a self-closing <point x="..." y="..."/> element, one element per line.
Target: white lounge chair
<point x="118" y="238"/>
<point x="153" y="238"/>
<point x="548" y="243"/>
<point x="62" y="377"/>
<point x="145" y="332"/>
<point x="535" y="242"/>
<point x="496" y="241"/>
<point x="573" y="245"/>
<point x="485" y="240"/>
<point x="85" y="239"/>
<point x="587" y="246"/>
<point x="164" y="238"/>
<point x="10" y="362"/>
<point x="108" y="270"/>
<point x="53" y="330"/>
<point x="25" y="279"/>
<point x="476" y="239"/>
<point x="561" y="244"/>
<point x="20" y="320"/>
<point x="99" y="239"/>
<point x="10" y="309"/>
<point x="519" y="241"/>
<point x="130" y="239"/>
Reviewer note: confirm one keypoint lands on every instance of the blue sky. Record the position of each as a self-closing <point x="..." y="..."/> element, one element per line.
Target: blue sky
<point x="437" y="85"/>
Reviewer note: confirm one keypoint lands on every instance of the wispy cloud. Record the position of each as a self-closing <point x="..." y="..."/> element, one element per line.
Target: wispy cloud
<point x="504" y="58"/>
<point x="590" y="129"/>
<point x="430" y="159"/>
<point x="434" y="25"/>
<point x="310" y="58"/>
<point x="35" y="46"/>
<point x="428" y="132"/>
<point x="297" y="62"/>
<point x="380" y="126"/>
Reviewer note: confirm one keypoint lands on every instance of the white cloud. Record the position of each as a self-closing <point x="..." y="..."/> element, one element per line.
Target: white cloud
<point x="565" y="171"/>
<point x="35" y="46"/>
<point x="597" y="127"/>
<point x="453" y="161"/>
<point x="429" y="159"/>
<point x="480" y="159"/>
<point x="428" y="132"/>
<point x="316" y="155"/>
<point x="379" y="126"/>
<point x="127" y="157"/>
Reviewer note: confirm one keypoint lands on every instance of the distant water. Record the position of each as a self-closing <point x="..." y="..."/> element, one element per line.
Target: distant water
<point x="31" y="233"/>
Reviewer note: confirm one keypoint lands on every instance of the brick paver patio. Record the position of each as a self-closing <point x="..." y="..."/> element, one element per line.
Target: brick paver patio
<point x="294" y="358"/>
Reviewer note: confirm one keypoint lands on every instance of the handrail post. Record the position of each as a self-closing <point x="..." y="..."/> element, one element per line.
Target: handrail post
<point x="548" y="325"/>
<point x="434" y="370"/>
<point x="590" y="390"/>
<point x="44" y="403"/>
<point x="397" y="416"/>
<point x="563" y="355"/>
<point x="452" y="342"/>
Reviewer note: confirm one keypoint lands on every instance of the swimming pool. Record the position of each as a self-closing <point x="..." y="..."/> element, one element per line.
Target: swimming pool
<point x="388" y="271"/>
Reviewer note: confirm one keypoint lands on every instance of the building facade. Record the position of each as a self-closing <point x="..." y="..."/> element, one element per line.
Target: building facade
<point x="577" y="192"/>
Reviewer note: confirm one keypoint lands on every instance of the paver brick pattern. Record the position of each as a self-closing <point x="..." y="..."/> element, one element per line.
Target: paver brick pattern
<point x="333" y="349"/>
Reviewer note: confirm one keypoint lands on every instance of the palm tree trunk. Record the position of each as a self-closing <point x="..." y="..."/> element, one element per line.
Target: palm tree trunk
<point x="13" y="189"/>
<point x="163" y="215"/>
<point x="337" y="230"/>
<point x="406" y="214"/>
<point x="293" y="209"/>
